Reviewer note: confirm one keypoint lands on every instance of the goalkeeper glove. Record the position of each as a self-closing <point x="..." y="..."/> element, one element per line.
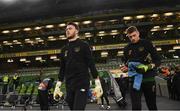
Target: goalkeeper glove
<point x="98" y="91"/>
<point x="124" y="69"/>
<point x="141" y="68"/>
<point x="57" y="92"/>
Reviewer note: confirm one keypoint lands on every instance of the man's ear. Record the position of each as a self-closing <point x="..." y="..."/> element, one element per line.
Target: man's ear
<point x="77" y="31"/>
<point x="138" y="33"/>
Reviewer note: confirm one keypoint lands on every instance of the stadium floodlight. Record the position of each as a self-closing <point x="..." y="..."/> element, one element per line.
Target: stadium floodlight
<point x="176" y="47"/>
<point x="32" y="0"/>
<point x="153" y="30"/>
<point x="53" y="57"/>
<point x="127" y="18"/>
<point x="140" y="16"/>
<point x="53" y="39"/>
<point x="10" y="60"/>
<point x="38" y="38"/>
<point x="156" y="27"/>
<point x="87" y="33"/>
<point x="158" y="49"/>
<point x="5" y="31"/>
<point x="5" y="42"/>
<point x="169" y="26"/>
<point x="101" y="35"/>
<point x="8" y="1"/>
<point x="154" y="15"/>
<point x="62" y="25"/>
<point x="37" y="28"/>
<point x="27" y="39"/>
<point x="77" y="23"/>
<point x="88" y="36"/>
<point x="22" y="60"/>
<point x="114" y="31"/>
<point x="49" y="26"/>
<point x="27" y="29"/>
<point x="100" y="22"/>
<point x="114" y="34"/>
<point x="120" y="53"/>
<point x="104" y="54"/>
<point x="50" y="37"/>
<point x="87" y="22"/>
<point x="38" y="58"/>
<point x="114" y="20"/>
<point x="171" y="50"/>
<point x="168" y="14"/>
<point x="178" y="14"/>
<point x="15" y="41"/>
<point x="61" y="36"/>
<point x="9" y="44"/>
<point x="15" y="31"/>
<point x="101" y="32"/>
<point x="176" y="56"/>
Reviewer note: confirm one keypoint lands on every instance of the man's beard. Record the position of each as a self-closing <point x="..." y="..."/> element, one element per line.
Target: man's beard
<point x="71" y="37"/>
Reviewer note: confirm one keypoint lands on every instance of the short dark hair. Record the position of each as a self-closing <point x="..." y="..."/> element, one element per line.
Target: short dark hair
<point x="74" y="24"/>
<point x="131" y="29"/>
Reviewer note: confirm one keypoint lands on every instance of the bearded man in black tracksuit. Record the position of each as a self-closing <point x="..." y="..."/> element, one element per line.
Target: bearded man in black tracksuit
<point x="143" y="52"/>
<point x="76" y="59"/>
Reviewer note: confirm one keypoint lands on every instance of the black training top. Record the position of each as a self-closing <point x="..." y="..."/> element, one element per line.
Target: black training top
<point x="143" y="51"/>
<point x="76" y="60"/>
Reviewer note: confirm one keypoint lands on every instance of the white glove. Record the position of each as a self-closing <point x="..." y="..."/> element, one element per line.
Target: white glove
<point x="98" y="91"/>
<point x="57" y="92"/>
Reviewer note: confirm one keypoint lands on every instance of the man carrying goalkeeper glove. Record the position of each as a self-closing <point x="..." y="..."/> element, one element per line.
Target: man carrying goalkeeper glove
<point x="76" y="60"/>
<point x="143" y="52"/>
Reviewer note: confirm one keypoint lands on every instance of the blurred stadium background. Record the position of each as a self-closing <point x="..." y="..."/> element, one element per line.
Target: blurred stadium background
<point x="32" y="32"/>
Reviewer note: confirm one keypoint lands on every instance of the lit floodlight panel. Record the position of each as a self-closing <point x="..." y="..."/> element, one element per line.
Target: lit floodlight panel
<point x="8" y="1"/>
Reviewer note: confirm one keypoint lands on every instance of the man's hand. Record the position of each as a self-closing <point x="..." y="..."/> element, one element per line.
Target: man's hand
<point x="144" y="68"/>
<point x="57" y="92"/>
<point x="124" y="68"/>
<point x="98" y="91"/>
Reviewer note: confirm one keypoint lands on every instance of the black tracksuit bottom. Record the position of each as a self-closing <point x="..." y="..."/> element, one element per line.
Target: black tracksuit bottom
<point x="76" y="98"/>
<point x="5" y="88"/>
<point x="105" y="89"/>
<point x="105" y="96"/>
<point x="149" y="90"/>
<point x="43" y="99"/>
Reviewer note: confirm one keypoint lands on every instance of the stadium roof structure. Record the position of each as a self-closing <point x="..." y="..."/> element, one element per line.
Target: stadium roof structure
<point x="32" y="32"/>
<point x="12" y="11"/>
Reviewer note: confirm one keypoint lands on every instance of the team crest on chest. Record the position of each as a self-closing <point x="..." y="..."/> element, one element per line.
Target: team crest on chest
<point x="76" y="49"/>
<point x="141" y="49"/>
<point x="65" y="53"/>
<point x="129" y="52"/>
